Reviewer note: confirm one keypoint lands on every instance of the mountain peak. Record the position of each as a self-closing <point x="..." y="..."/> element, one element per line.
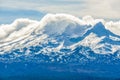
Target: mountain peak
<point x="100" y="29"/>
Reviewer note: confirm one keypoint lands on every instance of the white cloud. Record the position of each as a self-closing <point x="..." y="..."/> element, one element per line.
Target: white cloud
<point x="104" y="8"/>
<point x="113" y="27"/>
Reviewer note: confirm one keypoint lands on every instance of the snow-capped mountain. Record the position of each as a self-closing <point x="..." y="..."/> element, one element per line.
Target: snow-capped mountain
<point x="100" y="40"/>
<point x="59" y="36"/>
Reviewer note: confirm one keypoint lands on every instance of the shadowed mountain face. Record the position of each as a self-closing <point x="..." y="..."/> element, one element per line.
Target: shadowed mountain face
<point x="59" y="44"/>
<point x="100" y="30"/>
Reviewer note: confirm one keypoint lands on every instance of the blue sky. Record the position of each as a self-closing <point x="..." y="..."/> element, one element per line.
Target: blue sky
<point x="96" y="8"/>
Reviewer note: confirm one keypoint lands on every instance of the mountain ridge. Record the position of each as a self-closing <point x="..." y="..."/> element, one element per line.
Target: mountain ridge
<point x="62" y="30"/>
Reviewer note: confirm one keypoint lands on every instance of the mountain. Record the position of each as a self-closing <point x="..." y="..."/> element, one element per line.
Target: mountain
<point x="100" y="39"/>
<point x="57" y="37"/>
